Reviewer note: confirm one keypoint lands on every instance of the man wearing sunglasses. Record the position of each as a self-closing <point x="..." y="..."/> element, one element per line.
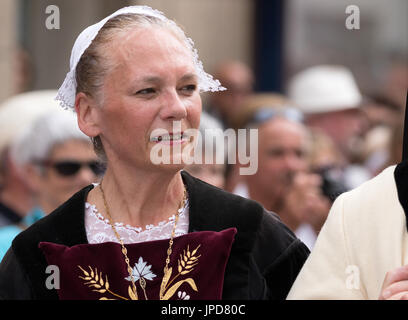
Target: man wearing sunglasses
<point x="57" y="159"/>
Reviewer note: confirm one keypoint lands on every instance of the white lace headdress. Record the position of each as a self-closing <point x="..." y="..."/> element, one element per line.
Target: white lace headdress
<point x="67" y="91"/>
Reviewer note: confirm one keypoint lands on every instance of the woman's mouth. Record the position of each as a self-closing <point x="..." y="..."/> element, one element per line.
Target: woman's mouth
<point x="170" y="138"/>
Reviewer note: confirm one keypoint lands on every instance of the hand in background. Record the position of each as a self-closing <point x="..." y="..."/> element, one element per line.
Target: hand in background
<point x="304" y="200"/>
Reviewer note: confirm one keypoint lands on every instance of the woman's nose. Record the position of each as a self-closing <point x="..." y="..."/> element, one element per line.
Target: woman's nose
<point x="173" y="107"/>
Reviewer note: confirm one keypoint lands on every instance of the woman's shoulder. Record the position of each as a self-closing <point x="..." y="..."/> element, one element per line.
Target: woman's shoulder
<point x="64" y="226"/>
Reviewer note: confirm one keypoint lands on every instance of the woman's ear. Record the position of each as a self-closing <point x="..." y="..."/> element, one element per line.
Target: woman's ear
<point x="87" y="114"/>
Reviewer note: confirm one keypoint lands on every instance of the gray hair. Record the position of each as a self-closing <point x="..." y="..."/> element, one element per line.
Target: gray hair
<point x="36" y="142"/>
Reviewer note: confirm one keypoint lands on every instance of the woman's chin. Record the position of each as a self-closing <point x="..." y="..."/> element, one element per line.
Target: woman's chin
<point x="170" y="158"/>
<point x="170" y="167"/>
<point x="173" y="162"/>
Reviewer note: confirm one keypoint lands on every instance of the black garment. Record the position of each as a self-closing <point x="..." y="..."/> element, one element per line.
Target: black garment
<point x="264" y="262"/>
<point x="401" y="180"/>
<point x="8" y="216"/>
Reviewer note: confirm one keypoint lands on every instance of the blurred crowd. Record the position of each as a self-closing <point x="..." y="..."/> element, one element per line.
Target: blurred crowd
<point x="318" y="139"/>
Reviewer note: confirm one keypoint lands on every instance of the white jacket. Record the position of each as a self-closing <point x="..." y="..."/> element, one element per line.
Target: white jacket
<point x="364" y="237"/>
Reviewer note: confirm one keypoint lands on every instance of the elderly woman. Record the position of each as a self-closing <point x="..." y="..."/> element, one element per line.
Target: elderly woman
<point x="57" y="160"/>
<point x="16" y="114"/>
<point x="149" y="230"/>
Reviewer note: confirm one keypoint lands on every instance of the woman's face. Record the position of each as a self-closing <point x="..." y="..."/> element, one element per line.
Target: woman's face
<point x="152" y="85"/>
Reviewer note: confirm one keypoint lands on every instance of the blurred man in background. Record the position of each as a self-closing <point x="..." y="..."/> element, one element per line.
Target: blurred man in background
<point x="330" y="99"/>
<point x="283" y="182"/>
<point x="238" y="79"/>
<point x="385" y="124"/>
<point x="396" y="79"/>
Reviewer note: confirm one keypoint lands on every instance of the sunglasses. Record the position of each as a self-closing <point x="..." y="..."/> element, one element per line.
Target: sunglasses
<point x="70" y="167"/>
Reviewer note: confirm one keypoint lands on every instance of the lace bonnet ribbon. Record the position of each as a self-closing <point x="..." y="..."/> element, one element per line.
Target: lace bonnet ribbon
<point x="67" y="91"/>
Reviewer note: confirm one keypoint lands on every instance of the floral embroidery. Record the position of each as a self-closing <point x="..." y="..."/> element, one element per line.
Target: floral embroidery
<point x="142" y="271"/>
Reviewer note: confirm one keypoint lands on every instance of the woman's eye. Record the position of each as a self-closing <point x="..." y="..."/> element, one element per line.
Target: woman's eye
<point x="146" y="91"/>
<point x="189" y="88"/>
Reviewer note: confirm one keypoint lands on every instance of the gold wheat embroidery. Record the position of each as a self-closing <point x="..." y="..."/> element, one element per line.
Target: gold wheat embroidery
<point x="96" y="281"/>
<point x="185" y="264"/>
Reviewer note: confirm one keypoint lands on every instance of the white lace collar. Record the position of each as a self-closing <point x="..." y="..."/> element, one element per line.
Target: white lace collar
<point x="98" y="228"/>
<point x="170" y="220"/>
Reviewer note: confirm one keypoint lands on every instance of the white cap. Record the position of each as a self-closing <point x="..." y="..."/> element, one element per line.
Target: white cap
<point x="17" y="112"/>
<point x="324" y="88"/>
<point x="67" y="91"/>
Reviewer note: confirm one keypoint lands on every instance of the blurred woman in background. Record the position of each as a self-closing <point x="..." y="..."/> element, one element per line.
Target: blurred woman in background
<point x="57" y="159"/>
